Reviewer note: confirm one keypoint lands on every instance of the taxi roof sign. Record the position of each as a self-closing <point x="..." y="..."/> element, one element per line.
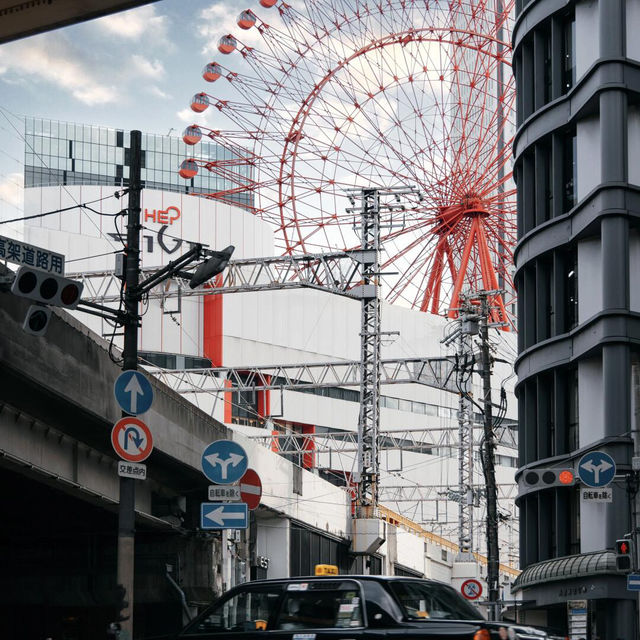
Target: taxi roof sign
<point x="326" y="570"/>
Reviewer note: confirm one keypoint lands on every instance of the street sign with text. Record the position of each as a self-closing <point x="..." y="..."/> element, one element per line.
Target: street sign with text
<point x="132" y="470"/>
<point x="633" y="582"/>
<point x="28" y="255"/>
<point x="596" y="495"/>
<point x="224" y="492"/>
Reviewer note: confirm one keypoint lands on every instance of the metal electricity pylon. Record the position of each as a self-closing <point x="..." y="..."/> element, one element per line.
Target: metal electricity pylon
<point x="367" y="203"/>
<point x="461" y="334"/>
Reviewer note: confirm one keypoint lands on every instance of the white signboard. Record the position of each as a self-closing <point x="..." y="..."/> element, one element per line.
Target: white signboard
<point x="596" y="495"/>
<point x="577" y="611"/>
<point x="229" y="492"/>
<point x="28" y="255"/>
<point x="132" y="470"/>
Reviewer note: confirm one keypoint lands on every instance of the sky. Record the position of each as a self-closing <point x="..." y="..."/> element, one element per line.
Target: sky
<point x="132" y="70"/>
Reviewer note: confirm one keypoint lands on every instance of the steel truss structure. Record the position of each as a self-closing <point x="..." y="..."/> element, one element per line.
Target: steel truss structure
<point x="339" y="442"/>
<point x="338" y="273"/>
<point x="431" y="372"/>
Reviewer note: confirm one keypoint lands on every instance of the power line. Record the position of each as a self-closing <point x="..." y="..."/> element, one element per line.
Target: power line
<point x="84" y="205"/>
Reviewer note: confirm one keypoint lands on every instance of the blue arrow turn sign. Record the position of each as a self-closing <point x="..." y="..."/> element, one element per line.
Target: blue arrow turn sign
<point x="133" y="392"/>
<point x="596" y="469"/>
<point x="222" y="515"/>
<point x="224" y="462"/>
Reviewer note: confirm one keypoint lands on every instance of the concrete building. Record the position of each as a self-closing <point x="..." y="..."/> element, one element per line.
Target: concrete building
<point x="577" y="172"/>
<point x="67" y="164"/>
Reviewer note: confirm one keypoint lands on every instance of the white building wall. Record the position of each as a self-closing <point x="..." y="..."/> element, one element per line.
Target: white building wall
<point x="275" y="328"/>
<point x="589" y="278"/>
<point x="590" y="401"/>
<point x="273" y="542"/>
<point x="633" y="124"/>
<point x="587" y="40"/>
<point x="591" y="421"/>
<point x="588" y="162"/>
<point x="634" y="267"/>
<point x="632" y="19"/>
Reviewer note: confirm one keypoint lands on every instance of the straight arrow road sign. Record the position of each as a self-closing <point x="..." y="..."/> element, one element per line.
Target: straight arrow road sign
<point x="220" y="515"/>
<point x="133" y="392"/>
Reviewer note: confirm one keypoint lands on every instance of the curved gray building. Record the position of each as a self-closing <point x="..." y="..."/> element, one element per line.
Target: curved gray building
<point x="577" y="167"/>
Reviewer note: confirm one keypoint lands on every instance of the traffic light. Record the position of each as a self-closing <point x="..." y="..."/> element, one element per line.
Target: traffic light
<point x="37" y="319"/>
<point x="211" y="267"/>
<point x="624" y="555"/>
<point x="47" y="288"/>
<point x="545" y="478"/>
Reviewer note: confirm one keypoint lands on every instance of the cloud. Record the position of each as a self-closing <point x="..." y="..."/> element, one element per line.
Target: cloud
<point x="53" y="59"/>
<point x="12" y="189"/>
<point x="136" y="23"/>
<point x="219" y="20"/>
<point x="158" y="92"/>
<point x="146" y="67"/>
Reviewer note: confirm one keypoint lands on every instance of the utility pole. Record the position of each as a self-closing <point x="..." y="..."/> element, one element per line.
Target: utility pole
<point x="126" y="511"/>
<point x="488" y="458"/>
<point x="369" y="417"/>
<point x="465" y="327"/>
<point x="370" y="335"/>
<point x="131" y="320"/>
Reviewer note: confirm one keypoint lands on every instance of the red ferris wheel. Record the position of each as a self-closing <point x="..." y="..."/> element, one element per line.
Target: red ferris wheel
<point x="329" y="95"/>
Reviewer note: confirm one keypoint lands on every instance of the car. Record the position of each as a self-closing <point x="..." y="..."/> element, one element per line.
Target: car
<point x="347" y="607"/>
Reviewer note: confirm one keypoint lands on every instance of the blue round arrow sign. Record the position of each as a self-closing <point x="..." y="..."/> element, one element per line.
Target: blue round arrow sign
<point x="133" y="392"/>
<point x="596" y="469"/>
<point x="224" y="462"/>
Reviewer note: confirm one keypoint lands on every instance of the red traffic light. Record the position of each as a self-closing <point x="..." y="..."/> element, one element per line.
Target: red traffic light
<point x="623" y="547"/>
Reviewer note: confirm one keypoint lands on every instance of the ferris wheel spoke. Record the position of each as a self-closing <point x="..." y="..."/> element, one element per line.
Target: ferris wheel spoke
<point x="330" y="94"/>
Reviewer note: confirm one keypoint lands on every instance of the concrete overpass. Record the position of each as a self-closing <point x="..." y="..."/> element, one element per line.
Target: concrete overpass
<point x="59" y="493"/>
<point x="22" y="18"/>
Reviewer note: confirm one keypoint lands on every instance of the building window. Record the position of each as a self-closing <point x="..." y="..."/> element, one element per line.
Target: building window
<point x="571" y="266"/>
<point x="572" y="409"/>
<point x="548" y="65"/>
<point x="244" y="407"/>
<point x="568" y="53"/>
<point x="574" y="522"/>
<point x="569" y="170"/>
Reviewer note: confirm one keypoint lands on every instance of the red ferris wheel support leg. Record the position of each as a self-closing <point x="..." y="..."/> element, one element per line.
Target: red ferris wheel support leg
<point x="489" y="279"/>
<point x="434" y="278"/>
<point x="464" y="263"/>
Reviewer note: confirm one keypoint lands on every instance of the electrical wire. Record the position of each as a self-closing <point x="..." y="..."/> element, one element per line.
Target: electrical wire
<point x="84" y="205"/>
<point x="3" y="112"/>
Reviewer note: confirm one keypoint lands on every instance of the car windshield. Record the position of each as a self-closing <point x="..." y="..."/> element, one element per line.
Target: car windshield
<point x="429" y="601"/>
<point x="321" y="605"/>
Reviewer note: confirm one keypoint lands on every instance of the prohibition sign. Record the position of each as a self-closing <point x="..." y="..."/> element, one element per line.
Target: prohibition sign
<point x="471" y="589"/>
<point x="131" y="439"/>
<point x="251" y="489"/>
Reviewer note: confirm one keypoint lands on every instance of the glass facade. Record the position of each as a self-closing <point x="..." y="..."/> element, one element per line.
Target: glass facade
<point x="65" y="153"/>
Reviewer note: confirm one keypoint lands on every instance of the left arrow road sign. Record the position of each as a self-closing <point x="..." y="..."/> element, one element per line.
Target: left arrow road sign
<point x="217" y="515"/>
<point x="133" y="392"/>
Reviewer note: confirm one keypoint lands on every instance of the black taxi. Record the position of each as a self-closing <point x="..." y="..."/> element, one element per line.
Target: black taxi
<point x="348" y="608"/>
